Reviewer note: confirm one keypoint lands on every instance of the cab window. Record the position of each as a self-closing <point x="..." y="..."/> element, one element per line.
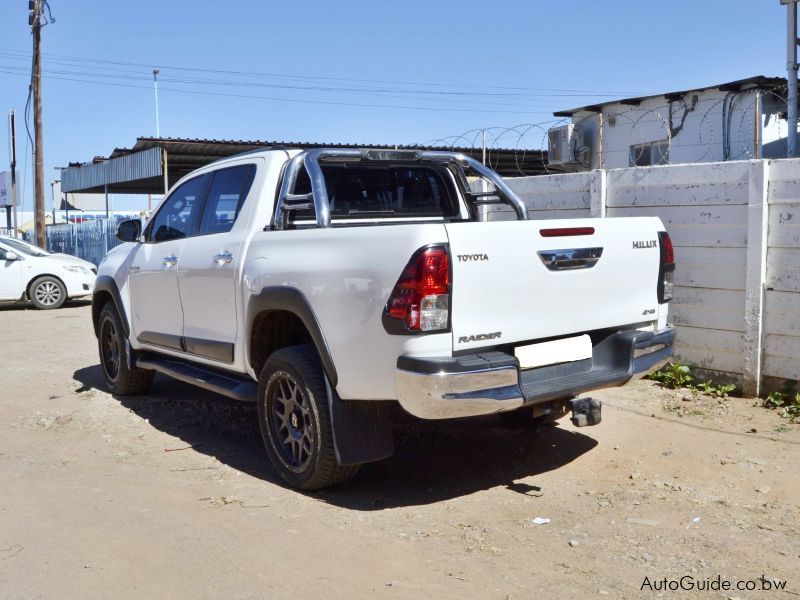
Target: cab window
<point x="226" y="195"/>
<point x="178" y="216"/>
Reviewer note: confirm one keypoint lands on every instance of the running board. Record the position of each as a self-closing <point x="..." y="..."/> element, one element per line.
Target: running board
<point x="238" y="388"/>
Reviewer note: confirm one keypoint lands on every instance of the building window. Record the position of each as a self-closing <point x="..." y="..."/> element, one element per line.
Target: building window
<point x="651" y="153"/>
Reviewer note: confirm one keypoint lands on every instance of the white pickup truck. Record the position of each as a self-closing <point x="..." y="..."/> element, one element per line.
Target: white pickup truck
<point x="329" y="285"/>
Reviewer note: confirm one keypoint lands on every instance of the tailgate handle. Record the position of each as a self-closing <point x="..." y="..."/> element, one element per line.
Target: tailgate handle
<point x="570" y="258"/>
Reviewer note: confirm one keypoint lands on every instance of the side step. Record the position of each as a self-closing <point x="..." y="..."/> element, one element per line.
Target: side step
<point x="238" y="388"/>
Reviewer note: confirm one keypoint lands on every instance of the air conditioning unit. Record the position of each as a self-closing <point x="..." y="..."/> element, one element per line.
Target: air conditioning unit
<point x="565" y="148"/>
<point x="561" y="145"/>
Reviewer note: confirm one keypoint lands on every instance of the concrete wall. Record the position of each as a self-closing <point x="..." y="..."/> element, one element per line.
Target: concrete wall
<point x="782" y="302"/>
<point x="736" y="231"/>
<point x="563" y="196"/>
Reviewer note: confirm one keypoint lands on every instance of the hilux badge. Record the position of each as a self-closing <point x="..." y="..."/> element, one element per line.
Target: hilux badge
<point x="645" y="244"/>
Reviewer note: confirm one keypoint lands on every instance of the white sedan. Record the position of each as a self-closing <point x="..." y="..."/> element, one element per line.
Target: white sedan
<point x="46" y="279"/>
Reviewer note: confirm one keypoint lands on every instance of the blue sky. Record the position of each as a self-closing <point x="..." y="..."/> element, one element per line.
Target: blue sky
<point x="364" y="72"/>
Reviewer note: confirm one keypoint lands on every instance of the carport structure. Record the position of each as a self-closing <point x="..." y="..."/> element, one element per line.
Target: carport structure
<point x="153" y="165"/>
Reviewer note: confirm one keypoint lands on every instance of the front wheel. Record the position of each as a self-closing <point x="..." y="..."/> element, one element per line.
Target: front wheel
<point x="120" y="379"/>
<point x="295" y="421"/>
<point x="47" y="292"/>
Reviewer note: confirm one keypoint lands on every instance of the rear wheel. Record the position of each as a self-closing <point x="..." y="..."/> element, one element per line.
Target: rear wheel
<point x="120" y="379"/>
<point x="295" y="421"/>
<point x="47" y="292"/>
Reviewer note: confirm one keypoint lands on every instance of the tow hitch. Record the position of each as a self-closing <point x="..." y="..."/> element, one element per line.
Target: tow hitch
<point x="586" y="411"/>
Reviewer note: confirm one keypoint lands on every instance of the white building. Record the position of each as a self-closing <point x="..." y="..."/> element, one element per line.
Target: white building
<point x="733" y="121"/>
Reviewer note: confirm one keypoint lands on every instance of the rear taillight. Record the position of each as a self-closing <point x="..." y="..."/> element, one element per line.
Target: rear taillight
<point x="667" y="267"/>
<point x="420" y="299"/>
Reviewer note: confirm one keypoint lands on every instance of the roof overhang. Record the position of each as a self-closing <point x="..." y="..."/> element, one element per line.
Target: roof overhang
<point x="139" y="170"/>
<point x="757" y="82"/>
<point x="128" y="174"/>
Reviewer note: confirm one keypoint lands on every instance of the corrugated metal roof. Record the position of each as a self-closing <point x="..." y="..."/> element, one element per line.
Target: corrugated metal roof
<point x="186" y="155"/>
<point x="129" y="167"/>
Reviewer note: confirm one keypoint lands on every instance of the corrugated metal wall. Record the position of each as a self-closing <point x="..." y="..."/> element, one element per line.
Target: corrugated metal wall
<point x="90" y="240"/>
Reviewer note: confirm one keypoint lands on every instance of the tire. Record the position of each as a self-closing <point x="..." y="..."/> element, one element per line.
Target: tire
<point x="47" y="292"/>
<point x="120" y="380"/>
<point x="295" y="421"/>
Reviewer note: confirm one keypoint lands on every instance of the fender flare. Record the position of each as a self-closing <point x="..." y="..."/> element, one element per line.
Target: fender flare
<point x="294" y="301"/>
<point x="106" y="283"/>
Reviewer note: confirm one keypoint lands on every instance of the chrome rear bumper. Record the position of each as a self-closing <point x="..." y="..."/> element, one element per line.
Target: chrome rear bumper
<point x="492" y="382"/>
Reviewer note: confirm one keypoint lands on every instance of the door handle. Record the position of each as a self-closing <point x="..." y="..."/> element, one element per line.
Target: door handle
<point x="570" y="258"/>
<point x="223" y="258"/>
<point x="170" y="261"/>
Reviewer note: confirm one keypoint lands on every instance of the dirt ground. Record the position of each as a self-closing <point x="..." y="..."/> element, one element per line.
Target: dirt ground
<point x="171" y="496"/>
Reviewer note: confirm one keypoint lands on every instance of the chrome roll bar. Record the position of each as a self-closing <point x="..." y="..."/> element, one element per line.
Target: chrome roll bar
<point x="288" y="201"/>
<point x="467" y="161"/>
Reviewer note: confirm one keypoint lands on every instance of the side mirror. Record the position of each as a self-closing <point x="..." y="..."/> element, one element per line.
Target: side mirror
<point x="12" y="256"/>
<point x="130" y="230"/>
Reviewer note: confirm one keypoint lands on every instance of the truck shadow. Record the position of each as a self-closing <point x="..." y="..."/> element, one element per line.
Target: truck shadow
<point x="433" y="461"/>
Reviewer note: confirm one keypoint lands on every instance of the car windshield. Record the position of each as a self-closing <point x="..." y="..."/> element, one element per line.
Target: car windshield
<point x="24" y="247"/>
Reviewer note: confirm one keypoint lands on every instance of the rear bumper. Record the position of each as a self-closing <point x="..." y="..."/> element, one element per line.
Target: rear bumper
<point x="492" y="382"/>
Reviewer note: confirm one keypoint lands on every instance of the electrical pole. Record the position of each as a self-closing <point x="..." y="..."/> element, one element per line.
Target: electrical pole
<point x="155" y="91"/>
<point x="791" y="76"/>
<point x="35" y="20"/>
<point x="12" y="153"/>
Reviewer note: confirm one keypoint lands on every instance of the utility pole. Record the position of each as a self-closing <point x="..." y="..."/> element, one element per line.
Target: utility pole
<point x="155" y="92"/>
<point x="53" y="194"/>
<point x="12" y="152"/>
<point x="35" y="20"/>
<point x="791" y="76"/>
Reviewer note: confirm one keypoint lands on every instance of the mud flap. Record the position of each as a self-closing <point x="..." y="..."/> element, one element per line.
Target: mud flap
<point x="586" y="411"/>
<point x="362" y="429"/>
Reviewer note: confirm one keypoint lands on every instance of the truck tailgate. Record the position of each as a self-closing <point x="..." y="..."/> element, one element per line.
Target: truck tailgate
<point x="523" y="280"/>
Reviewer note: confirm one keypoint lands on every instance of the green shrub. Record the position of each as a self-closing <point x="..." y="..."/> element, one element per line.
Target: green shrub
<point x="676" y="375"/>
<point x="673" y="376"/>
<point x="787" y="400"/>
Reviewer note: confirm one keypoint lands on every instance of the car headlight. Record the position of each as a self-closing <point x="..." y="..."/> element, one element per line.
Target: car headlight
<point x="77" y="269"/>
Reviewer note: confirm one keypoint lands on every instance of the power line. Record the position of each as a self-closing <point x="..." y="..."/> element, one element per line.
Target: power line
<point x="559" y="92"/>
<point x="278" y="99"/>
<point x="293" y="88"/>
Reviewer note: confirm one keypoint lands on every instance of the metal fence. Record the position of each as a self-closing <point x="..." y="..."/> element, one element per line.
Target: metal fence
<point x="90" y="240"/>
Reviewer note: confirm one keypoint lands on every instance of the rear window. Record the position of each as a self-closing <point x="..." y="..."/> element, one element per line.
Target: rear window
<point x="384" y="191"/>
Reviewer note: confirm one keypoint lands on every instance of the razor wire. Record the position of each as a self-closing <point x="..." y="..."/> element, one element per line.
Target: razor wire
<point x="686" y="129"/>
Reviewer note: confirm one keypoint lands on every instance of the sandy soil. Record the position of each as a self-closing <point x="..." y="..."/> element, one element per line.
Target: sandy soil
<point x="171" y="495"/>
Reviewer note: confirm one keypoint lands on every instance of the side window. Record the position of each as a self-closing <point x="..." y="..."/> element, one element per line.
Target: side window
<point x="177" y="218"/>
<point x="226" y="195"/>
<point x="2" y="253"/>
